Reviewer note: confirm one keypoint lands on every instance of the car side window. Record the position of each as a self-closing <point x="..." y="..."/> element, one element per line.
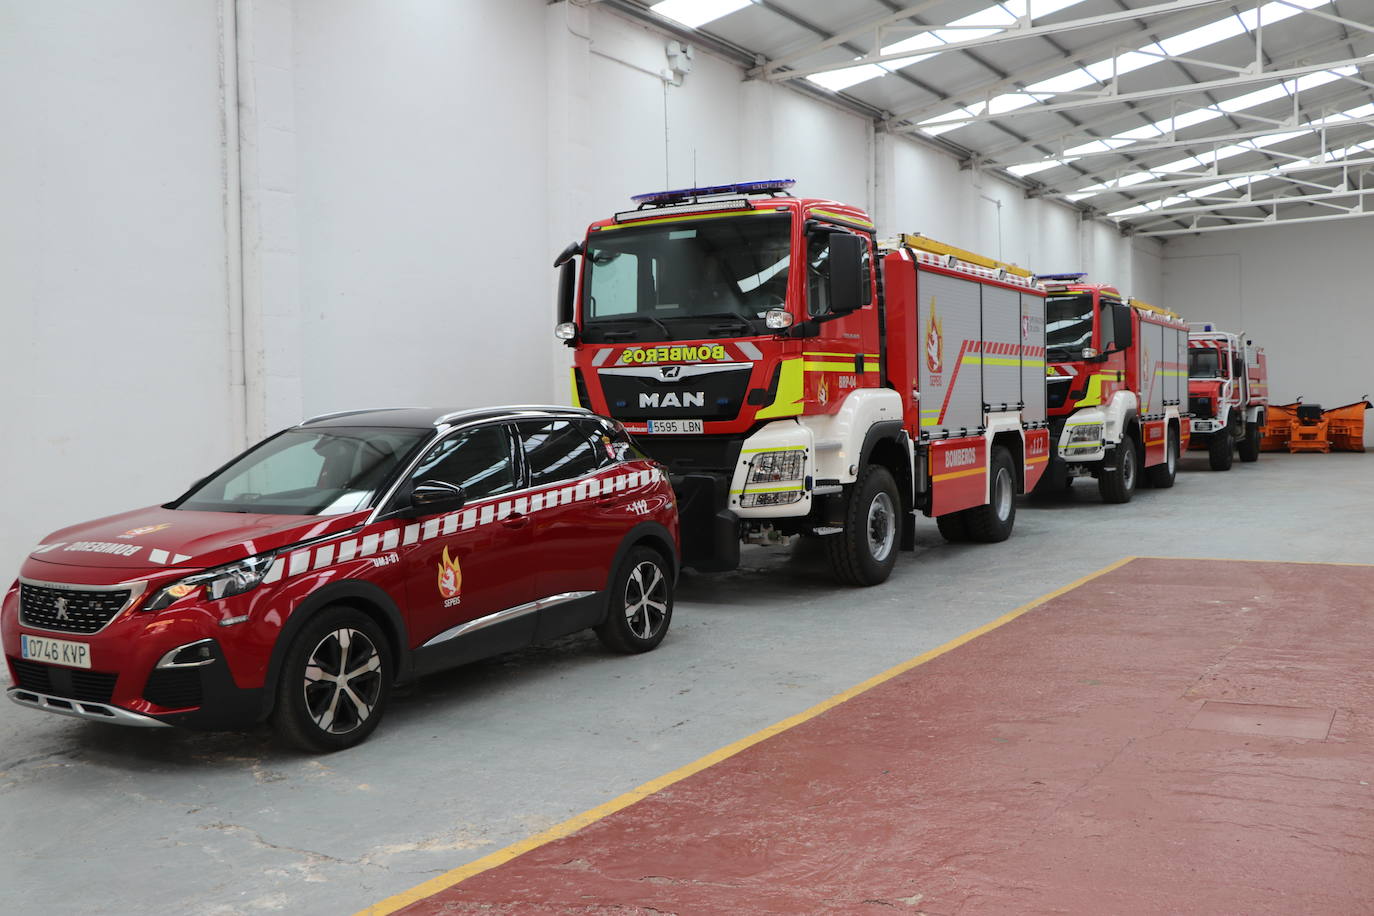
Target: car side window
<point x="478" y="460"/>
<point x="559" y="450"/>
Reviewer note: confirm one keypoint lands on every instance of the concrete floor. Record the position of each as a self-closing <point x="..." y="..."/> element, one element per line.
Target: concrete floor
<point x="176" y="822"/>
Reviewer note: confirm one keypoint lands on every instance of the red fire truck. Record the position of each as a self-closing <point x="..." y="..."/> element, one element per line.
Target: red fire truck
<point x="796" y="376"/>
<point x="1228" y="392"/>
<point x="1115" y="386"/>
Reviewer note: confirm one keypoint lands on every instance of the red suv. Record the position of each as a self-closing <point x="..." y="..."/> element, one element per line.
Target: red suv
<point x="339" y="557"/>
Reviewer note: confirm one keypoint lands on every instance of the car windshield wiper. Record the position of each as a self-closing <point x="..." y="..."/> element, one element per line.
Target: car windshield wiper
<point x="728" y="316"/>
<point x="639" y="318"/>
<point x="1059" y="354"/>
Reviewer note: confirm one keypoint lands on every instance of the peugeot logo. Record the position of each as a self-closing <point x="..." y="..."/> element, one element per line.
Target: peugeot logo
<point x="668" y="372"/>
<point x="60" y="605"/>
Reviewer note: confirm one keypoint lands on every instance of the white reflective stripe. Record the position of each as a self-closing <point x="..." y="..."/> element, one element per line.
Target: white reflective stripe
<point x="324" y="556"/>
<point x="158" y="556"/>
<point x="181" y="558"/>
<point x="412" y="534"/>
<point x="503" y="510"/>
<point x="521" y="506"/>
<point x="369" y="545"/>
<point x="451" y="523"/>
<point x="348" y="550"/>
<point x="274" y="573"/>
<point x="749" y="350"/>
<point x="300" y="562"/>
<point x="390" y="539"/>
<point x="486" y="514"/>
<point x="469" y="519"/>
<point x="601" y="356"/>
<point x="536" y="502"/>
<point x="430" y="530"/>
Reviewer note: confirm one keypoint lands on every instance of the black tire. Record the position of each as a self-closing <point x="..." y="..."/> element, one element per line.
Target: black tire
<point x="1118" y="485"/>
<point x="343" y="704"/>
<point x="1219" y="450"/>
<point x="1249" y="447"/>
<point x="993" y="522"/>
<point x="865" y="552"/>
<point x="640" y="603"/>
<point x="1161" y="476"/>
<point x="953" y="527"/>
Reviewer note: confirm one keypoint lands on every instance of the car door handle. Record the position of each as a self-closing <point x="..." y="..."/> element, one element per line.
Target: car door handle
<point x="516" y="520"/>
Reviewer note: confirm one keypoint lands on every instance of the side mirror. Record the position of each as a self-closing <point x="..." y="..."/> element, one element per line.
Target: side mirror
<point x="846" y="273"/>
<point x="567" y="287"/>
<point x="1122" y="323"/>
<point x="430" y="497"/>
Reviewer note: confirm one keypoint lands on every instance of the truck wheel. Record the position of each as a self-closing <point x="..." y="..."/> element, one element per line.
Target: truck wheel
<point x="1249" y="447"/>
<point x="993" y="522"/>
<point x="1161" y="476"/>
<point x="953" y="527"/>
<point x="865" y="552"/>
<point x="334" y="683"/>
<point x="1219" y="450"/>
<point x="1118" y="485"/>
<point x="641" y="603"/>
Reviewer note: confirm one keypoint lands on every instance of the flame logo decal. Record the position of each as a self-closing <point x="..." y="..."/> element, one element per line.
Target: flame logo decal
<point x="450" y="576"/>
<point x="935" y="343"/>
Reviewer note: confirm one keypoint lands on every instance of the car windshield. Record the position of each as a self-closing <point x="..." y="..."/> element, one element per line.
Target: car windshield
<point x="1068" y="326"/>
<point x="1204" y="363"/>
<point x="689" y="279"/>
<point x="324" y="471"/>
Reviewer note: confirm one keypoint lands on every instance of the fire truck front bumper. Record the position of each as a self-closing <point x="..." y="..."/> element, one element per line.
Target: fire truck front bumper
<point x="1203" y="425"/>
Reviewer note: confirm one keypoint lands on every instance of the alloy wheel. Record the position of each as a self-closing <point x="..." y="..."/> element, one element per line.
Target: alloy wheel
<point x="343" y="680"/>
<point x="646" y="599"/>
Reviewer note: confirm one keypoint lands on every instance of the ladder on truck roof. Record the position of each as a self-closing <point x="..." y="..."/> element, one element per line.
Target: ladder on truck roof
<point x="924" y="243"/>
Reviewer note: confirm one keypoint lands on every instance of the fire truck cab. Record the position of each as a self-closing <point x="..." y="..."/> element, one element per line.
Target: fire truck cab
<point x="1114" y="386"/>
<point x="797" y="376"/>
<point x="1228" y="393"/>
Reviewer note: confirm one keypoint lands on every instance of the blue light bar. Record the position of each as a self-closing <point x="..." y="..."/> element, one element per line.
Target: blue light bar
<point x="1065" y="278"/>
<point x="767" y="186"/>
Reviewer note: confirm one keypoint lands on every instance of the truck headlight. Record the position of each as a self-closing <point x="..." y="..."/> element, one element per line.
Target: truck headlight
<point x="767" y="467"/>
<point x="220" y="582"/>
<point x="757" y="500"/>
<point x="1085" y="433"/>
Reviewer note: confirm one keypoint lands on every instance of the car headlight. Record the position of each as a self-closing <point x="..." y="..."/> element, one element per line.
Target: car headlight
<point x="767" y="467"/>
<point x="1085" y="432"/>
<point x="220" y="582"/>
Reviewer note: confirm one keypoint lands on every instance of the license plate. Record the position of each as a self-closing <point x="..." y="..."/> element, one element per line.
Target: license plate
<point x="674" y="426"/>
<point x="55" y="651"/>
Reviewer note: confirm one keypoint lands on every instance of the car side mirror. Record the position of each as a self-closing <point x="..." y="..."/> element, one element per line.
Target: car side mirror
<point x="430" y="497"/>
<point x="846" y="273"/>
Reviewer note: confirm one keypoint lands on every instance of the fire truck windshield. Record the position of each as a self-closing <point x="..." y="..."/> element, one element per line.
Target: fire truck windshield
<point x="1068" y="326"/>
<point x="1204" y="363"/>
<point x="686" y="280"/>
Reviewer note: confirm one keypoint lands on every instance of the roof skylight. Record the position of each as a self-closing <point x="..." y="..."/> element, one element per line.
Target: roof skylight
<point x="695" y="13"/>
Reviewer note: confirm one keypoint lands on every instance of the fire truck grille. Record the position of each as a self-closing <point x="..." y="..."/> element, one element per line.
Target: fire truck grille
<point x="1200" y="407"/>
<point x="714" y="396"/>
<point x="69" y="683"/>
<point x="68" y="611"/>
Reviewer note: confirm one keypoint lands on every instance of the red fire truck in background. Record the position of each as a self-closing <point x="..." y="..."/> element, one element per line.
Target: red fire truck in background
<point x="795" y="375"/>
<point x="1228" y="393"/>
<point x="1115" y="387"/>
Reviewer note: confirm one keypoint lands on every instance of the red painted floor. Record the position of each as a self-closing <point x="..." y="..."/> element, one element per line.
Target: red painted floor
<point x="1173" y="737"/>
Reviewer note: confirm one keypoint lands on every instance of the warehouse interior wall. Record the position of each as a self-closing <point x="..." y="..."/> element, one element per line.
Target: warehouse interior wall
<point x="226" y="215"/>
<point x="1296" y="292"/>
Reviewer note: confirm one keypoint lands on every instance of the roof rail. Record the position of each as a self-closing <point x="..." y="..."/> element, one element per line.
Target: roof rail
<point x="924" y="243"/>
<point x="345" y="413"/>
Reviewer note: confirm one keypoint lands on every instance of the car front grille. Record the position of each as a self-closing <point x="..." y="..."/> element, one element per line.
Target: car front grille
<point x="174" y="688"/>
<point x="69" y="610"/>
<point x="70" y="683"/>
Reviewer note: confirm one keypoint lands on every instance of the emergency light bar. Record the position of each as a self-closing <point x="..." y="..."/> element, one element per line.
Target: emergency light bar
<point x="767" y="186"/>
<point x="1065" y="278"/>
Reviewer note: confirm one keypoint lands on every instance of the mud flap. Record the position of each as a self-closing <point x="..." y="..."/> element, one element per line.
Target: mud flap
<point x="709" y="531"/>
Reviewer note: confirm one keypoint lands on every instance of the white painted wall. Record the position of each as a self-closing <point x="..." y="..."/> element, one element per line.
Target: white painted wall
<point x="363" y="210"/>
<point x="114" y="320"/>
<point x="1297" y="291"/>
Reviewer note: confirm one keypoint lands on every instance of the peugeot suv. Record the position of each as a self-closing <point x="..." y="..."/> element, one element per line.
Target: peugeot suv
<point x="306" y="577"/>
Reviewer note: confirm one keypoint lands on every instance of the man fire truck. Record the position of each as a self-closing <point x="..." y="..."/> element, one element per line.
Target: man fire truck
<point x="1115" y="387"/>
<point x="797" y="377"/>
<point x="1228" y="391"/>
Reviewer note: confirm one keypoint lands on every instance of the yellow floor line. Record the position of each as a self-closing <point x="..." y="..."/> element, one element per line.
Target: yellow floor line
<point x="577" y="822"/>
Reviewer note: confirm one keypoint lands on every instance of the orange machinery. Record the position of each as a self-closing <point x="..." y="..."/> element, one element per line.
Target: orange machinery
<point x="1346" y="426"/>
<point x="1278" y="419"/>
<point x="1308" y="432"/>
